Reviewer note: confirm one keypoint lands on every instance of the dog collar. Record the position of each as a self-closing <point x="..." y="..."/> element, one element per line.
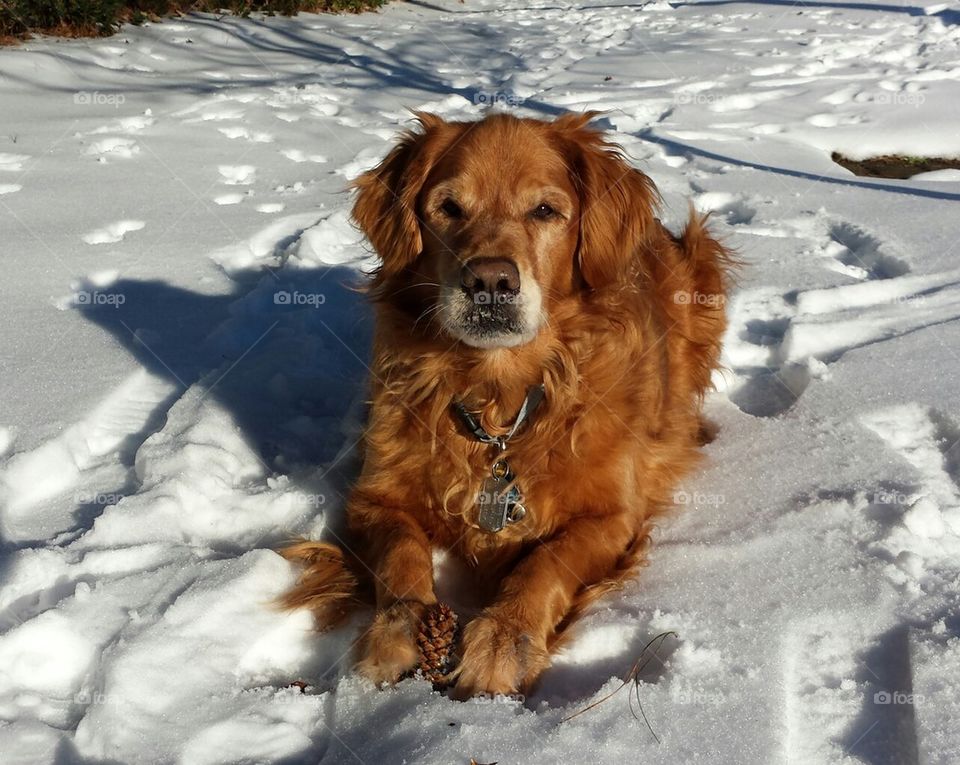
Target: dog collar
<point x="500" y="501"/>
<point x="533" y="399"/>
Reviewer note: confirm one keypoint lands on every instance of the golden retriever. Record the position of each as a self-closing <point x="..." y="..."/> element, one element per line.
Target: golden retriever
<point x="542" y="347"/>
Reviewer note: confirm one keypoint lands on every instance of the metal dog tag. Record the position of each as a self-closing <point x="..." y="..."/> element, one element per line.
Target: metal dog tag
<point x="499" y="502"/>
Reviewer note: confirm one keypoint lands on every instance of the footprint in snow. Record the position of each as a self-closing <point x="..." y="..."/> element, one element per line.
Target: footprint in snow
<point x="767" y="129"/>
<point x="733" y="207"/>
<point x="295" y="155"/>
<point x="743" y="102"/>
<point x="217" y="114"/>
<point x="237" y="175"/>
<point x="114" y="232"/>
<point x="832" y="120"/>
<point x="233" y="198"/>
<point x="767" y="71"/>
<point x="12" y="163"/>
<point x="127" y="125"/>
<point x="777" y="344"/>
<point x="114" y="147"/>
<point x="929" y="441"/>
<point x="837" y="665"/>
<point x="247" y="135"/>
<point x="128" y="413"/>
<point x="857" y="253"/>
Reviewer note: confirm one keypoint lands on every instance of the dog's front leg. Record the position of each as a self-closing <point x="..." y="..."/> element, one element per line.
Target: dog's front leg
<point x="505" y="649"/>
<point x="400" y="559"/>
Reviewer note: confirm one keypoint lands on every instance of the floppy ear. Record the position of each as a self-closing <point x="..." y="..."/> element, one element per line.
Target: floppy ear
<point x="385" y="206"/>
<point x="617" y="204"/>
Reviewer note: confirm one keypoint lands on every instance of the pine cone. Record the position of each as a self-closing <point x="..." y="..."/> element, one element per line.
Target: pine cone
<point x="437" y="642"/>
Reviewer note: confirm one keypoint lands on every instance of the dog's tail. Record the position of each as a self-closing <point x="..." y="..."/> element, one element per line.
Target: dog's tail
<point x="711" y="268"/>
<point x="329" y="584"/>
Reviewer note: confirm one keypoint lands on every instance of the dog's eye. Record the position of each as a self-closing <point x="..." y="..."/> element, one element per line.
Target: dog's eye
<point x="543" y="211"/>
<point x="451" y="209"/>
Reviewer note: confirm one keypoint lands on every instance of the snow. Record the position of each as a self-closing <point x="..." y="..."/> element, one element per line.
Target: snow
<point x="114" y="232"/>
<point x="939" y="175"/>
<point x="184" y="358"/>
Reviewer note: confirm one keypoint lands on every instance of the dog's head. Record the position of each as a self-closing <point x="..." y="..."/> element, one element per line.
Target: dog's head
<point x="483" y="226"/>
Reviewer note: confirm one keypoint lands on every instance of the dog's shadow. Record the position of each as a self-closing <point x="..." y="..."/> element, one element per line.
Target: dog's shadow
<point x="285" y="353"/>
<point x="581" y="668"/>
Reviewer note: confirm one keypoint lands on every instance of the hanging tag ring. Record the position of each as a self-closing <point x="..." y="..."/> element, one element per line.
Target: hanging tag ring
<point x="500" y="501"/>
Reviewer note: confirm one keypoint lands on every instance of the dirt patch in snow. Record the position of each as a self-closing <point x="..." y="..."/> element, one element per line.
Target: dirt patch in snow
<point x="895" y="165"/>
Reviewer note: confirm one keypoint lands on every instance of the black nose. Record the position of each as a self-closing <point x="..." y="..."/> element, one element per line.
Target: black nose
<point x="493" y="279"/>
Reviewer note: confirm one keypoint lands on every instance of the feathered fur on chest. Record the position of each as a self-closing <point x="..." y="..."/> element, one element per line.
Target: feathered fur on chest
<point x="426" y="458"/>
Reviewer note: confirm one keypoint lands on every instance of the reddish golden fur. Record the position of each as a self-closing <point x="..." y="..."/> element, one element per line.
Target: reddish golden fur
<point x="634" y="318"/>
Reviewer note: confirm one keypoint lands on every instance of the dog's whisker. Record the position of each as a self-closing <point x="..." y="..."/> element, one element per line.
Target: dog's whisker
<point x="414" y="286"/>
<point x="431" y="310"/>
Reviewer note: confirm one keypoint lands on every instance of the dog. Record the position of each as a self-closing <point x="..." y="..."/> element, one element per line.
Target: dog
<point x="541" y="352"/>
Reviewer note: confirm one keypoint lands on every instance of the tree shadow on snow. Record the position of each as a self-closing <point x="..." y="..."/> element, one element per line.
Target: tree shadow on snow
<point x="947" y="16"/>
<point x="367" y="67"/>
<point x="402" y="69"/>
<point x="679" y="148"/>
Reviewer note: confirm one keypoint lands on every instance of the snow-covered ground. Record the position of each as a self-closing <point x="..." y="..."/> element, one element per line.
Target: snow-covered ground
<point x="183" y="366"/>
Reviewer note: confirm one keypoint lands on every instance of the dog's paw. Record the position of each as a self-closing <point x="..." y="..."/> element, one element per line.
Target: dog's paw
<point x="497" y="658"/>
<point x="389" y="649"/>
